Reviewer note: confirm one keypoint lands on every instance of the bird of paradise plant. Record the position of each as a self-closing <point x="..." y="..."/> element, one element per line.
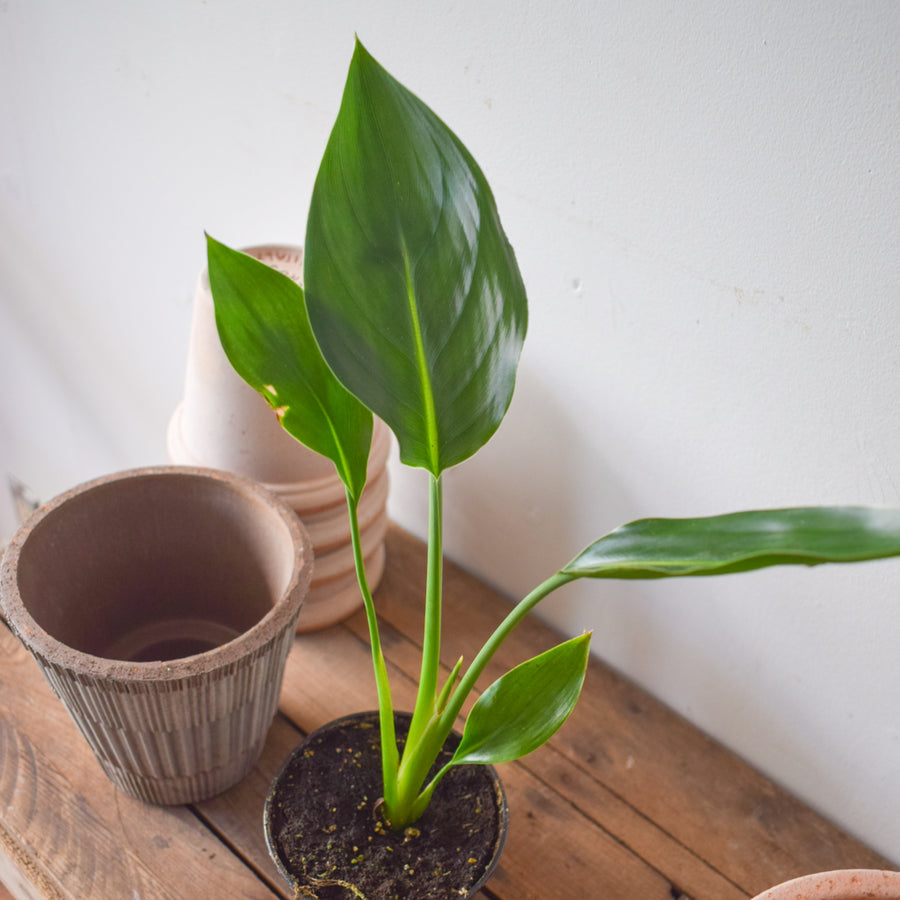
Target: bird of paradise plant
<point x="413" y="309"/>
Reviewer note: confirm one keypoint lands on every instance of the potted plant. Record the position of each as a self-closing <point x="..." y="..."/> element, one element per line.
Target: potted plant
<point x="413" y="309"/>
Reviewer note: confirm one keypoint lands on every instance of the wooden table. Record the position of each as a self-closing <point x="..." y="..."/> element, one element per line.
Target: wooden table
<point x="627" y="802"/>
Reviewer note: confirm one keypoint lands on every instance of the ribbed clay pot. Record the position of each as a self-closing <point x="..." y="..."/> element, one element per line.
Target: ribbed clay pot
<point x="843" y="884"/>
<point x="161" y="604"/>
<point x="224" y="424"/>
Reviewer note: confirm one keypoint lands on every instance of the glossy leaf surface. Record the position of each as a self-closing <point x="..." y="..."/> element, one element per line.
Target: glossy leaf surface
<point x="740" y="542"/>
<point x="413" y="290"/>
<point x="524" y="708"/>
<point x="265" y="331"/>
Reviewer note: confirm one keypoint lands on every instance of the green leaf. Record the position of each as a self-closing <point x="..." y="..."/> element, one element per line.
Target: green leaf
<point x="264" y="329"/>
<point x="739" y="542"/>
<point x="412" y="287"/>
<point x="523" y="708"/>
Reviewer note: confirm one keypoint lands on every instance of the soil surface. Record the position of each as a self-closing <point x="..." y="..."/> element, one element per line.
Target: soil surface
<point x="323" y="820"/>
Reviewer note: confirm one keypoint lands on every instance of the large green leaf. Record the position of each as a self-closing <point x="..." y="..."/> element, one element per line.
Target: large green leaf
<point x="412" y="287"/>
<point x="739" y="542"/>
<point x="524" y="708"/>
<point x="264" y="329"/>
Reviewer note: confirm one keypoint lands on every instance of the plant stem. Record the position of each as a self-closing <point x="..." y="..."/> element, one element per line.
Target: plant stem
<point x="503" y="630"/>
<point x="389" y="755"/>
<point x="426" y="698"/>
<point x="417" y="760"/>
<point x="449" y="684"/>
<point x="424" y="739"/>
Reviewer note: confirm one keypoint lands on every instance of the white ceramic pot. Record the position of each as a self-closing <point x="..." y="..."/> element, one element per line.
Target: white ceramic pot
<point x="224" y="424"/>
<point x="161" y="605"/>
<point x="843" y="884"/>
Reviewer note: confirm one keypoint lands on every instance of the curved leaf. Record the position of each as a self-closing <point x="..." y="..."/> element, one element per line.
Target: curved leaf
<point x="265" y="332"/>
<point x="412" y="287"/>
<point x="524" y="708"/>
<point x="739" y="542"/>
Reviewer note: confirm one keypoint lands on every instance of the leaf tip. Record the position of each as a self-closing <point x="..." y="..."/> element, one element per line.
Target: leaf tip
<point x="359" y="50"/>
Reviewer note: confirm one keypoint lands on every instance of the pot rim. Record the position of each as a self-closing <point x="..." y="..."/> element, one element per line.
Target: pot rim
<point x="877" y="884"/>
<point x="499" y="792"/>
<point x="43" y="644"/>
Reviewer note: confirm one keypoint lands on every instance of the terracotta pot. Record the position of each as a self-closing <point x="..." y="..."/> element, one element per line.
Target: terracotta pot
<point x="844" y="884"/>
<point x="224" y="424"/>
<point x="325" y="836"/>
<point x="161" y="604"/>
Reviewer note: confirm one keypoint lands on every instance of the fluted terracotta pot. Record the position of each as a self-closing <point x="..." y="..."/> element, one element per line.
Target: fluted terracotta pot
<point x="161" y="604"/>
<point x="224" y="424"/>
<point x="844" y="884"/>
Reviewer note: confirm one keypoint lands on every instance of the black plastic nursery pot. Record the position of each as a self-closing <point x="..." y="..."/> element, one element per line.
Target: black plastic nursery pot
<point x="327" y="840"/>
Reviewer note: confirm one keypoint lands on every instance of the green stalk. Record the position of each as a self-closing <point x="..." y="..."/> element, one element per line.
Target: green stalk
<point x="449" y="684"/>
<point x="424" y="740"/>
<point x="389" y="756"/>
<point x="417" y="761"/>
<point x="501" y="633"/>
<point x="426" y="698"/>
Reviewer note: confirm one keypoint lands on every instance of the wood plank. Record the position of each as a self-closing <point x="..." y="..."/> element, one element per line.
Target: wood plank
<point x="550" y="840"/>
<point x="71" y="833"/>
<point x="636" y="749"/>
<point x="237" y="815"/>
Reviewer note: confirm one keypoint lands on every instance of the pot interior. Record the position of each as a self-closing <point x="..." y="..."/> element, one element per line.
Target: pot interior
<point x="154" y="566"/>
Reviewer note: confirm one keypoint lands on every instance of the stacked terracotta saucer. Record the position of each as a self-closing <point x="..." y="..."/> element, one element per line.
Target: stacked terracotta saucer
<point x="222" y="423"/>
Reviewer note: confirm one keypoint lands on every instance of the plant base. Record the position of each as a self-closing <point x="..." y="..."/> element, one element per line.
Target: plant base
<point x="326" y="837"/>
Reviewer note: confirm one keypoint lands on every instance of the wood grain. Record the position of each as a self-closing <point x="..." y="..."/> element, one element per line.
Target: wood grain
<point x="237" y="815"/>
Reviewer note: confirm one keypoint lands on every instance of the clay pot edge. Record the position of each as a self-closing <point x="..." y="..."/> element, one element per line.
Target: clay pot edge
<point x="877" y="884"/>
<point x="44" y="644"/>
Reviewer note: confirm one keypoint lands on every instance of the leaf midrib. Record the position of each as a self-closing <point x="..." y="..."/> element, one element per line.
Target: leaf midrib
<point x="428" y="404"/>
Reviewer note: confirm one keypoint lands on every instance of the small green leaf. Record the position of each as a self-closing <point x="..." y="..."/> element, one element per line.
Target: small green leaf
<point x="413" y="290"/>
<point x="740" y="542"/>
<point x="265" y="332"/>
<point x="524" y="708"/>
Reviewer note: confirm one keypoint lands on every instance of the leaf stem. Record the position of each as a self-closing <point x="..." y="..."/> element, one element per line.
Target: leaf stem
<point x="413" y="794"/>
<point x="426" y="698"/>
<point x="389" y="755"/>
<point x="449" y="684"/>
<point x="503" y="630"/>
<point x="425" y="737"/>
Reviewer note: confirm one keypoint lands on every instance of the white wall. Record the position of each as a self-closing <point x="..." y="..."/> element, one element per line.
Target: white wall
<point x="703" y="200"/>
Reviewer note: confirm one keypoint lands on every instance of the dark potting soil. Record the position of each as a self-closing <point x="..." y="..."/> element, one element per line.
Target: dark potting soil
<point x="323" y="820"/>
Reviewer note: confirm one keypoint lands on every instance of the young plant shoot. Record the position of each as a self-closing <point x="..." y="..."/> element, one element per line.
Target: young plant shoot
<point x="414" y="310"/>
